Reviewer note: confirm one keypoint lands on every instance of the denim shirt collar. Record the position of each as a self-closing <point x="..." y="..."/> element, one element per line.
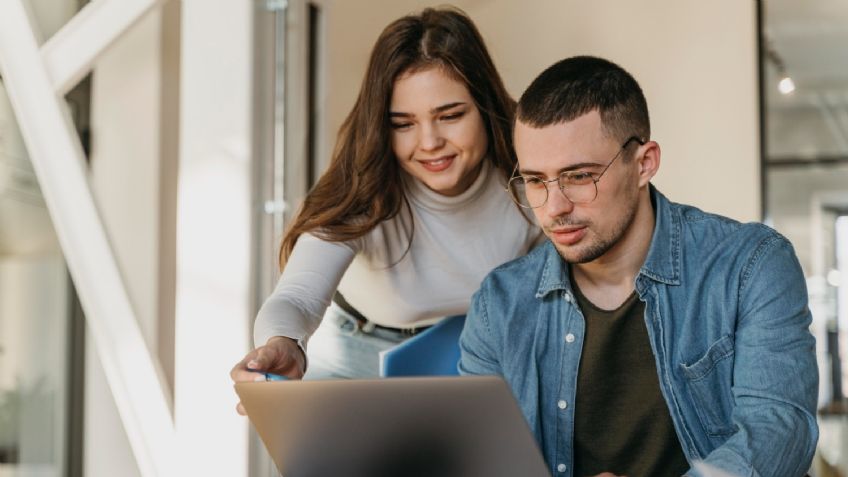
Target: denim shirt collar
<point x="554" y="272"/>
<point x="662" y="263"/>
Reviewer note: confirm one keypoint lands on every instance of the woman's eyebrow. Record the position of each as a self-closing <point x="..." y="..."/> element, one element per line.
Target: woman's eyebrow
<point x="436" y="110"/>
<point x="445" y="107"/>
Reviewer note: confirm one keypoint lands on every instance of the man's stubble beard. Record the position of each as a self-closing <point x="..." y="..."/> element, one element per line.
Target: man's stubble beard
<point x="601" y="245"/>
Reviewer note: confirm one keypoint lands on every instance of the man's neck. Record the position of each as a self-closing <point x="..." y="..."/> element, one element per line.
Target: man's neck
<point x="610" y="279"/>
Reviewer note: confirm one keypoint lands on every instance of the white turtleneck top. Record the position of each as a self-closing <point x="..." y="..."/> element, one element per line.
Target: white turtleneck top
<point x="456" y="242"/>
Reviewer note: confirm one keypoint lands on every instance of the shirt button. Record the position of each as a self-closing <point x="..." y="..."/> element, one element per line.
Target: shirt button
<point x="562" y="404"/>
<point x="569" y="338"/>
<point x="561" y="468"/>
<point x="568" y="297"/>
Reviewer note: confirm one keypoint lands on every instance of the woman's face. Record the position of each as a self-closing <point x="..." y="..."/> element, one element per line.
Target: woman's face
<point x="438" y="134"/>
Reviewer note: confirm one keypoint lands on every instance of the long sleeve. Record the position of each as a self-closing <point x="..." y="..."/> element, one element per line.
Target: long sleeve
<point x="304" y="290"/>
<point x="478" y="355"/>
<point x="775" y="404"/>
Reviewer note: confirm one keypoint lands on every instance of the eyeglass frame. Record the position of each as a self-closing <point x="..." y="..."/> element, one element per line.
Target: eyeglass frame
<point x="595" y="180"/>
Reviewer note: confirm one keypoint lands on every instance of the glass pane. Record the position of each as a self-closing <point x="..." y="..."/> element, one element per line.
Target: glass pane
<point x="35" y="311"/>
<point x="806" y="179"/>
<point x="805" y="43"/>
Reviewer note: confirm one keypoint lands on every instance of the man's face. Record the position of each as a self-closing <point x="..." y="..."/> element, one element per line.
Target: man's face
<point x="581" y="233"/>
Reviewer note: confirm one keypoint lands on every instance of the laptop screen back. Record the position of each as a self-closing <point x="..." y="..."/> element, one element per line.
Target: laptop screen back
<point x="400" y="427"/>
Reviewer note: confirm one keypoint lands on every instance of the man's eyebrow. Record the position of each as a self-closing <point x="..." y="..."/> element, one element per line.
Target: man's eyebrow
<point x="436" y="110"/>
<point x="580" y="165"/>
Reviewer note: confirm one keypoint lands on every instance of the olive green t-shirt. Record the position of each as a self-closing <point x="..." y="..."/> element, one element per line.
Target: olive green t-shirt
<point x="622" y="423"/>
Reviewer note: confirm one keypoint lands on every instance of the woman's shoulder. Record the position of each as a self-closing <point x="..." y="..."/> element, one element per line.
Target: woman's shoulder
<point x="319" y="239"/>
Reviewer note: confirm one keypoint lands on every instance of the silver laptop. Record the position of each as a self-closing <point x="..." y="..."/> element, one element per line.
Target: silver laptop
<point x="398" y="427"/>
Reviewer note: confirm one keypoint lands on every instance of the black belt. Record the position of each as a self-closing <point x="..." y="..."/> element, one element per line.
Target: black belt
<point x="360" y="318"/>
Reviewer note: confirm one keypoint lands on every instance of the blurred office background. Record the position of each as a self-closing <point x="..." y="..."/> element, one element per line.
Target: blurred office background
<point x="805" y="183"/>
<point x="151" y="152"/>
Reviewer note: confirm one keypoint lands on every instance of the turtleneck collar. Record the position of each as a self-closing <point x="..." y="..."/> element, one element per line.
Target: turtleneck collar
<point x="425" y="197"/>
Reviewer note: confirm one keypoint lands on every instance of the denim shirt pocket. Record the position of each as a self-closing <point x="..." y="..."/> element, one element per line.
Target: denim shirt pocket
<point x="709" y="381"/>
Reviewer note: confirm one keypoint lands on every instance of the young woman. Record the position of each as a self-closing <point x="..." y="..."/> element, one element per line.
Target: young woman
<point x="410" y="215"/>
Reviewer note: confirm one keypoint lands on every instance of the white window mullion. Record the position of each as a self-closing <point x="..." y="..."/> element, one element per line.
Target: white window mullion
<point x="71" y="52"/>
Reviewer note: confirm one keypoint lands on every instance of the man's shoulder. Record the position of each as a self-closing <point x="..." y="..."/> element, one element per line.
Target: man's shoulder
<point x="519" y="272"/>
<point x="729" y="245"/>
<point x="709" y="229"/>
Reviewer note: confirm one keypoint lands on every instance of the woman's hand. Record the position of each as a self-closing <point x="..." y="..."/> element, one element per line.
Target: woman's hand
<point x="280" y="355"/>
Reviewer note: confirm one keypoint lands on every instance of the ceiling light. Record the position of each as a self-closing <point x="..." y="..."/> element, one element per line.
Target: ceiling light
<point x="786" y="85"/>
<point x="834" y="278"/>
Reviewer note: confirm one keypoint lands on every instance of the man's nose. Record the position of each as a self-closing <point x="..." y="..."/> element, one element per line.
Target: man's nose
<point x="557" y="203"/>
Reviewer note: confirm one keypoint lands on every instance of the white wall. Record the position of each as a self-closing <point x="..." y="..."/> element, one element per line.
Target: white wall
<point x="213" y="238"/>
<point x="125" y="181"/>
<point x="696" y="62"/>
<point x="125" y="160"/>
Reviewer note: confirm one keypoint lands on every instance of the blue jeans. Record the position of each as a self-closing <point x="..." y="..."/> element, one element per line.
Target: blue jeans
<point x="341" y="349"/>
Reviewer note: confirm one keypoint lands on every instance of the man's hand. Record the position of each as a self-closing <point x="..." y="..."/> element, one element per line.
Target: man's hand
<point x="280" y="355"/>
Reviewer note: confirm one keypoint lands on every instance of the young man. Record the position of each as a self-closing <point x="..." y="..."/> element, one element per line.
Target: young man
<point x="645" y="335"/>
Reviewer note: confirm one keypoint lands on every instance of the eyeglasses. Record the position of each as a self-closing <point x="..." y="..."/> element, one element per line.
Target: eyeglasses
<point x="579" y="187"/>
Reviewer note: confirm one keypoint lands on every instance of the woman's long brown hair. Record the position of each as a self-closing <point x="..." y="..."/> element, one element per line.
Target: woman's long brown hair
<point x="362" y="186"/>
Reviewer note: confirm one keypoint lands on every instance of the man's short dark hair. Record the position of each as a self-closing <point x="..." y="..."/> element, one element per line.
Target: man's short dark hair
<point x="576" y="86"/>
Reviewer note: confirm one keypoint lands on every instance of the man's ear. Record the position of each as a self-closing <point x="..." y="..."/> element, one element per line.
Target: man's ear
<point x="648" y="156"/>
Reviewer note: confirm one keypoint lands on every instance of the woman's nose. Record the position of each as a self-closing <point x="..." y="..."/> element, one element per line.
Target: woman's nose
<point x="431" y="138"/>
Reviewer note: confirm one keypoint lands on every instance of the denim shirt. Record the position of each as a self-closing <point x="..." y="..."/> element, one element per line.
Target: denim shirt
<point x="727" y="317"/>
